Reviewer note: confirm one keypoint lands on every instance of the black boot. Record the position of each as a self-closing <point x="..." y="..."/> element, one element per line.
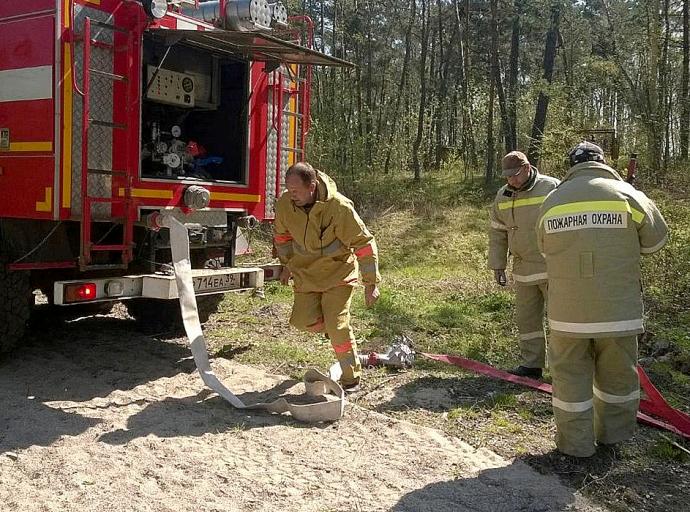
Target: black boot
<point x="525" y="371"/>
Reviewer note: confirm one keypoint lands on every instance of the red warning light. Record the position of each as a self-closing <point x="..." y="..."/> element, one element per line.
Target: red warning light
<point x="80" y="292"/>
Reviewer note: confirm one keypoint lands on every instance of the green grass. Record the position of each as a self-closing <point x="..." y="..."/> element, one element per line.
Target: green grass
<point x="460" y="414"/>
<point x="437" y="288"/>
<point x="665" y="450"/>
<point x="253" y="330"/>
<point x="504" y="401"/>
<point x="502" y="423"/>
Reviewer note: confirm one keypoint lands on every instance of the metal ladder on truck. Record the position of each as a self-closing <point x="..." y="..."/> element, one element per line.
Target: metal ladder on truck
<point x="123" y="247"/>
<point x="300" y="91"/>
<point x="298" y="86"/>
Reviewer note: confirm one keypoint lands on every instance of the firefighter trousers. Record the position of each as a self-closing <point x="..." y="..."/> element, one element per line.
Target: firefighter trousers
<point x="329" y="312"/>
<point x="596" y="391"/>
<point x="529" y="310"/>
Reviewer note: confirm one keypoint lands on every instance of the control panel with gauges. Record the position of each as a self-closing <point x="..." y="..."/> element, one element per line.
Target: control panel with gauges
<point x="170" y="87"/>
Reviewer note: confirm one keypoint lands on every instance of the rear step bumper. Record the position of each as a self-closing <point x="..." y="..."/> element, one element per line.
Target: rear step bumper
<point x="157" y="286"/>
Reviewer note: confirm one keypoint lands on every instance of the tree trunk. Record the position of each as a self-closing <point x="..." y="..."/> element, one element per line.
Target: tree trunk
<point x="416" y="167"/>
<point x="653" y="128"/>
<point x="469" y="145"/>
<point x="664" y="92"/>
<point x="496" y="72"/>
<point x="334" y="48"/>
<point x="443" y="68"/>
<point x="369" y="90"/>
<point x="432" y="94"/>
<point x="511" y="139"/>
<point x="321" y="22"/>
<point x="490" y="144"/>
<point x="358" y="88"/>
<point x="543" y="100"/>
<point x="568" y="73"/>
<point x="684" y="100"/>
<point x="401" y="84"/>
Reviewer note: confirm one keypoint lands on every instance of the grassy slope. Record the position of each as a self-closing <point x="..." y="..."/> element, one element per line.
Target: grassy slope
<point x="436" y="287"/>
<point x="437" y="290"/>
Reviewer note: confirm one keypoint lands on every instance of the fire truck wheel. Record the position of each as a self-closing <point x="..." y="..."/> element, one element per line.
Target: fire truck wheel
<point x="16" y="300"/>
<point x="158" y="316"/>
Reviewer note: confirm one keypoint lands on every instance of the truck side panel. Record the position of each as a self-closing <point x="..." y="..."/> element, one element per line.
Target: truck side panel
<point x="12" y="9"/>
<point x="27" y="113"/>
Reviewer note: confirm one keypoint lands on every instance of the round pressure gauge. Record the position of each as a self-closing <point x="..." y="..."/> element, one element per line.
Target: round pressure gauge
<point x="176" y="131"/>
<point x="161" y="147"/>
<point x="155" y="8"/>
<point x="187" y="84"/>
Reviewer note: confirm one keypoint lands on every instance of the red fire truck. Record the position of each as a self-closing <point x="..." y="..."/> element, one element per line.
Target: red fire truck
<point x="114" y="109"/>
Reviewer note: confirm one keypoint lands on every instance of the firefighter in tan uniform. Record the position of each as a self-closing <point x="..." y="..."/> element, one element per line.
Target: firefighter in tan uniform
<point x="322" y="242"/>
<point x="592" y="230"/>
<point x="514" y="214"/>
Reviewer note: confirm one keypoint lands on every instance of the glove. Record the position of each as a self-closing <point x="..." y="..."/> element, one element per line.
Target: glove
<point x="371" y="294"/>
<point x="500" y="276"/>
<point x="285" y="275"/>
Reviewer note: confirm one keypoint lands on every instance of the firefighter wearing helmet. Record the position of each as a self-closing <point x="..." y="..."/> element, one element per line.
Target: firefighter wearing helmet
<point x="321" y="242"/>
<point x="592" y="230"/>
<point x="513" y="216"/>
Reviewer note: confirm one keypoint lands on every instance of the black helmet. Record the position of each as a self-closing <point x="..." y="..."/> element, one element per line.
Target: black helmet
<point x="585" y="152"/>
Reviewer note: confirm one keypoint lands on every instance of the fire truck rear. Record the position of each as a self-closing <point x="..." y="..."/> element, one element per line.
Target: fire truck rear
<point x="111" y="110"/>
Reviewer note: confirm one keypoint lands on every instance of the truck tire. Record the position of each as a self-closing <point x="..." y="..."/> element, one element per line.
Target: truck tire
<point x="158" y="316"/>
<point x="16" y="300"/>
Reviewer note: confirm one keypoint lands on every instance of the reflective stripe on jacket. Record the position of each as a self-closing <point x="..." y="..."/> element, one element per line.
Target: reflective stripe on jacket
<point x="592" y="230"/>
<point x="512" y="221"/>
<point x="323" y="245"/>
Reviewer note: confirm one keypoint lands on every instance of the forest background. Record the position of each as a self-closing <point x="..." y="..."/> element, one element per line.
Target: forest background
<point x="468" y="80"/>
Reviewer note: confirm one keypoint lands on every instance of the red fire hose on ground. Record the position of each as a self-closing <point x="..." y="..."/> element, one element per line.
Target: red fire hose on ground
<point x="667" y="417"/>
<point x="654" y="410"/>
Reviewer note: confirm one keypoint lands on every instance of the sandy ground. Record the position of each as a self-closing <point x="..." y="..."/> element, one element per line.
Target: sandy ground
<point x="95" y="416"/>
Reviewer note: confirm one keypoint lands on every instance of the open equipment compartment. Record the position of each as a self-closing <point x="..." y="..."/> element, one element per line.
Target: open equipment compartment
<point x="194" y="112"/>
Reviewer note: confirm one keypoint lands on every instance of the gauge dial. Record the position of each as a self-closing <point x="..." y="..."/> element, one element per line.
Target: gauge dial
<point x="187" y="84"/>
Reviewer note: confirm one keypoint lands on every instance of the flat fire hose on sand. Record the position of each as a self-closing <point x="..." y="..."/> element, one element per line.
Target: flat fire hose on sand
<point x="325" y="394"/>
<point x="672" y="419"/>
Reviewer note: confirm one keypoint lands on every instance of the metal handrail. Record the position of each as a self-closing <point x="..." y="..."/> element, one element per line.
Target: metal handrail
<point x="85" y="115"/>
<point x="71" y="49"/>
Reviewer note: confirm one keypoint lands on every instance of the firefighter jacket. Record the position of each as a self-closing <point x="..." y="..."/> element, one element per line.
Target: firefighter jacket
<point x="512" y="219"/>
<point x="323" y="245"/>
<point x="592" y="230"/>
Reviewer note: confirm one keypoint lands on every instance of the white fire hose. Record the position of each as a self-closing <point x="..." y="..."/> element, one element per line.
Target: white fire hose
<point x="326" y="395"/>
